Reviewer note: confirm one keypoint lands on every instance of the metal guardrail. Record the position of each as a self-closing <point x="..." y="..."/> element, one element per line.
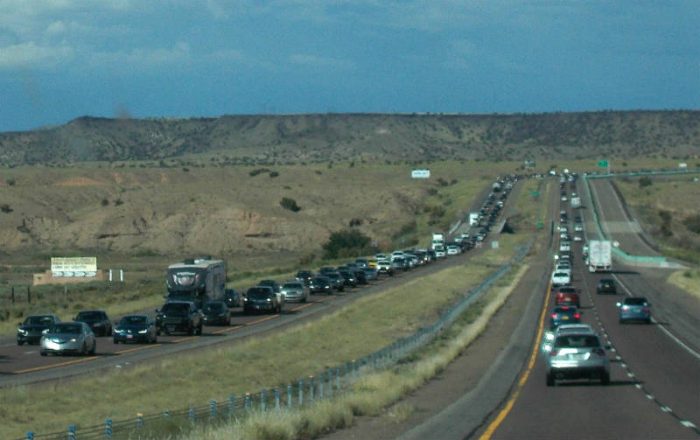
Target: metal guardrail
<point x="617" y="252"/>
<point x="303" y="392"/>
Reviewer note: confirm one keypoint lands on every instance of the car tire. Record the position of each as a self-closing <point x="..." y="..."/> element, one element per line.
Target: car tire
<point x="605" y="378"/>
<point x="551" y="381"/>
<point x="83" y="349"/>
<point x="20" y="342"/>
<point x="648" y="321"/>
<point x="43" y="353"/>
<point x="93" y="349"/>
<point x="155" y="339"/>
<point x="200" y="330"/>
<point x="116" y="342"/>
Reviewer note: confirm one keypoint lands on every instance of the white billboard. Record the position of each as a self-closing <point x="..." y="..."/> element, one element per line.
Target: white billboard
<point x="420" y="174"/>
<point x="73" y="266"/>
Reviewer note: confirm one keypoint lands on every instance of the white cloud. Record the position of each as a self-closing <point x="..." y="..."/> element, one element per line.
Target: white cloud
<point x="29" y="54"/>
<point x="140" y="58"/>
<point x="317" y="61"/>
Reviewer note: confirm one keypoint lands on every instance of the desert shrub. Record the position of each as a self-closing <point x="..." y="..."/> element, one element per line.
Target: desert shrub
<point x="274" y="174"/>
<point x="693" y="223"/>
<point x="644" y="182"/>
<point x="6" y="208"/>
<point x="290" y="204"/>
<point x="104" y="202"/>
<point x="666" y="219"/>
<point x="355" y="222"/>
<point x="347" y="242"/>
<point x="11" y="181"/>
<point x="257" y="171"/>
<point x="118" y="202"/>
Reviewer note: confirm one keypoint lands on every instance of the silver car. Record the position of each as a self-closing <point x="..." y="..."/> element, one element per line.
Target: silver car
<point x="294" y="291"/>
<point x="68" y="337"/>
<point x="577" y="355"/>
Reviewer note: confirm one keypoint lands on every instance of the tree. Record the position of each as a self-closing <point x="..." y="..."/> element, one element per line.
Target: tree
<point x="290" y="204"/>
<point x="346" y="243"/>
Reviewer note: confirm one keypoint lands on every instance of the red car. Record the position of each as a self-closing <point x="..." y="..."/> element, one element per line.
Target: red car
<point x="567" y="296"/>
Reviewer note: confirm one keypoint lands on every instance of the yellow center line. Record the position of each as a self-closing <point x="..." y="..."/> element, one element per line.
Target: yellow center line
<point x="62" y="364"/>
<point x="493" y="426"/>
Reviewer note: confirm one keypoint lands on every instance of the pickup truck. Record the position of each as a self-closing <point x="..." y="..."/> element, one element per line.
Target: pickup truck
<point x="179" y="316"/>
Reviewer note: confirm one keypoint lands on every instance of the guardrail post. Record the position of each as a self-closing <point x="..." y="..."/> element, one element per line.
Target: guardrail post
<point x="247" y="402"/>
<point x="72" y="432"/>
<point x="263" y="400"/>
<point x="139" y="421"/>
<point x="321" y="380"/>
<point x="301" y="392"/>
<point x="289" y="396"/>
<point x="311" y="388"/>
<point x="337" y="378"/>
<point x="231" y="405"/>
<point x="212" y="409"/>
<point x="192" y="415"/>
<point x="108" y="428"/>
<point x="276" y="392"/>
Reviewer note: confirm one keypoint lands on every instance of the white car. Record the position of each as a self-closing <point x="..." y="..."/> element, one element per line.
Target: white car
<point x="578" y="238"/>
<point x="561" y="278"/>
<point x="564" y="246"/>
<point x="578" y="227"/>
<point x="440" y="252"/>
<point x="453" y="249"/>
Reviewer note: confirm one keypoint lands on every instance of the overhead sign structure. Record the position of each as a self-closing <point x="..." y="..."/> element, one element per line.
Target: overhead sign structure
<point x="73" y="266"/>
<point x="420" y="174"/>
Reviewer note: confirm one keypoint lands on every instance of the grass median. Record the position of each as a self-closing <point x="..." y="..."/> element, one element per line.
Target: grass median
<point x="375" y="392"/>
<point x="172" y="383"/>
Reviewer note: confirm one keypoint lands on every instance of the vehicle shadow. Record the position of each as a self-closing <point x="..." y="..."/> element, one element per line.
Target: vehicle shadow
<point x="613" y="383"/>
<point x="624" y="272"/>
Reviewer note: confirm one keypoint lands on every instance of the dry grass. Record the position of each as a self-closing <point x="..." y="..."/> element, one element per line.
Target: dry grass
<point x="688" y="280"/>
<point x="372" y="393"/>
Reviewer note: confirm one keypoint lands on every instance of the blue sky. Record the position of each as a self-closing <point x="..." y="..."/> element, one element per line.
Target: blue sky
<point x="61" y="59"/>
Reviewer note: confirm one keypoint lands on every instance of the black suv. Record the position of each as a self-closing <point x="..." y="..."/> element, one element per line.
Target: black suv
<point x="261" y="299"/>
<point x="31" y="329"/>
<point x="232" y="298"/>
<point x="97" y="320"/>
<point x="606" y="285"/>
<point x="179" y="316"/>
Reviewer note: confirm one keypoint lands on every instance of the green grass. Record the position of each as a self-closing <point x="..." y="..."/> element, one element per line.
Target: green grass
<point x="362" y="327"/>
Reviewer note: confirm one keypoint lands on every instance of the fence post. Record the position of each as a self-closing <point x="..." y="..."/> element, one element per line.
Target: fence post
<point x="263" y="400"/>
<point x="231" y="405"/>
<point x="246" y="402"/>
<point x="192" y="415"/>
<point x="301" y="392"/>
<point x="321" y="379"/>
<point x="311" y="388"/>
<point x="277" y="399"/>
<point x="108" y="428"/>
<point x="289" y="396"/>
<point x="212" y="409"/>
<point x="71" y="432"/>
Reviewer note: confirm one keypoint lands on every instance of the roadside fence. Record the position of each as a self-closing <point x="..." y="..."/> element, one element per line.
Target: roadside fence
<point x="304" y="391"/>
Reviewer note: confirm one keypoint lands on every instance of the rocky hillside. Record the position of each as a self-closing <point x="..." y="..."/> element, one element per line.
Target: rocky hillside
<point x="317" y="138"/>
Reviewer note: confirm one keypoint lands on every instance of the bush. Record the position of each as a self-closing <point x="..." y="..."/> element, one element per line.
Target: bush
<point x="644" y="182"/>
<point x="6" y="208"/>
<point x="290" y="204"/>
<point x="693" y="223"/>
<point x="104" y="202"/>
<point x="345" y="243"/>
<point x="10" y="182"/>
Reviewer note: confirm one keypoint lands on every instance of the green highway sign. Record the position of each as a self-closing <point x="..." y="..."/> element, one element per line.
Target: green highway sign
<point x="603" y="163"/>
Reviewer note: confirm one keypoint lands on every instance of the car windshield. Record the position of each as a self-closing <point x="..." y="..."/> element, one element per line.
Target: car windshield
<point x="72" y="329"/>
<point x="567" y="290"/>
<point x="577" y="341"/>
<point x="635" y="301"/>
<point x="38" y="320"/>
<point x="133" y="320"/>
<point x="259" y="293"/>
<point x="175" y="309"/>
<point x="89" y="316"/>
<point x="292" y="286"/>
<point x="213" y="307"/>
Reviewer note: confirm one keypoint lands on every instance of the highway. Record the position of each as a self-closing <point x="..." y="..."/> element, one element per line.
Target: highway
<point x="655" y="373"/>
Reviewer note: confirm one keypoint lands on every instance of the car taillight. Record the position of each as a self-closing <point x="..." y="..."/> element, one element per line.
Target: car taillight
<point x="625" y="307"/>
<point x="577" y="316"/>
<point x="554" y="316"/>
<point x="645" y="309"/>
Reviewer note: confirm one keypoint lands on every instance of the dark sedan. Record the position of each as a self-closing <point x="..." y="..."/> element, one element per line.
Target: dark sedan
<point x="135" y="328"/>
<point x="606" y="286"/>
<point x="320" y="285"/>
<point x="97" y="320"/>
<point x="216" y="313"/>
<point x="564" y="315"/>
<point x="30" y="330"/>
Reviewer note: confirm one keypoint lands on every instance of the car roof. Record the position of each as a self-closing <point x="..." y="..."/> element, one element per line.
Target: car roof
<point x="566" y="328"/>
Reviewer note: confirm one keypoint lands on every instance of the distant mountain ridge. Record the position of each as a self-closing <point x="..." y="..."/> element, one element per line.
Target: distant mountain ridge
<point x="342" y="137"/>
